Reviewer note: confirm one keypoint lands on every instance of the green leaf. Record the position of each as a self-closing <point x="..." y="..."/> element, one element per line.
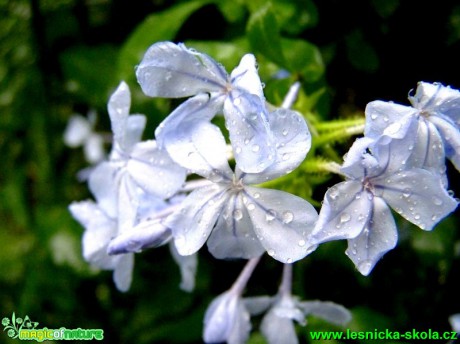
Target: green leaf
<point x="89" y="72"/>
<point x="294" y="16"/>
<point x="304" y="58"/>
<point x="160" y="26"/>
<point x="360" y="53"/>
<point x="263" y="34"/>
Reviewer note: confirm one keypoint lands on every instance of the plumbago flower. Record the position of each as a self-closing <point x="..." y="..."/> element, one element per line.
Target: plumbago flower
<point x="282" y="310"/>
<point x="135" y="171"/>
<point x="435" y="113"/>
<point x="174" y="71"/>
<point x="134" y="167"/>
<point x="242" y="221"/>
<point x="379" y="177"/>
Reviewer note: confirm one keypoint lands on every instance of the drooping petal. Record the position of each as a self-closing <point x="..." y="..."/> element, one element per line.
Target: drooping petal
<point x="345" y="211"/>
<point x="417" y="195"/>
<point x="103" y="183"/>
<point x="194" y="221"/>
<point x="329" y="311"/>
<point x="187" y="266"/>
<point x="147" y="234"/>
<point x="282" y="222"/>
<point x="123" y="272"/>
<point x="379" y="237"/>
<point x="154" y="171"/>
<point x="278" y="329"/>
<point x="246" y="77"/>
<point x="293" y="141"/>
<point x="451" y="138"/>
<point x="380" y="115"/>
<point x="233" y="236"/>
<point x="357" y="162"/>
<point x="226" y="320"/>
<point x="173" y="71"/>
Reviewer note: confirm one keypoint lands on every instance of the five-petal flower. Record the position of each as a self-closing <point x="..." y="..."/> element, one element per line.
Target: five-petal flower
<point x="358" y="209"/>
<point x="174" y="71"/>
<point x="242" y="221"/>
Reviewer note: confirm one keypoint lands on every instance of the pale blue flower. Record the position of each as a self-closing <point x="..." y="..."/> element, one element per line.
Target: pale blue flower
<point x="435" y="113"/>
<point x="99" y="230"/>
<point x="454" y="321"/>
<point x="238" y="220"/>
<point x="278" y="323"/>
<point x="227" y="320"/>
<point x="174" y="71"/>
<point x="358" y="209"/>
<point x="133" y="167"/>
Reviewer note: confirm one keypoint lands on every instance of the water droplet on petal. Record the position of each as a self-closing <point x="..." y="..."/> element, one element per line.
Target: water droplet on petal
<point x="345" y="217"/>
<point x="255" y="148"/>
<point x="270" y="215"/>
<point x="365" y="267"/>
<point x="288" y="216"/>
<point x="237" y="101"/>
<point x="251" y="206"/>
<point x="289" y="260"/>
<point x="285" y="156"/>
<point x="237" y="214"/>
<point x="271" y="252"/>
<point x="256" y="195"/>
<point x="417" y="216"/>
<point x="407" y="192"/>
<point x="374" y="116"/>
<point x="302" y="243"/>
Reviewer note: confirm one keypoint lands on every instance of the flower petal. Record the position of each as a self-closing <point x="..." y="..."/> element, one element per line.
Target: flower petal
<point x="437" y="99"/>
<point x="233" y="236"/>
<point x="246" y="77"/>
<point x="123" y="272"/>
<point x="118" y="108"/>
<point x="147" y="234"/>
<point x="247" y="121"/>
<point x="188" y="266"/>
<point x="417" y="195"/>
<point x="194" y="221"/>
<point x="345" y="211"/>
<point x="451" y="137"/>
<point x="380" y="115"/>
<point x="99" y="229"/>
<point x="282" y="222"/>
<point x="174" y="71"/>
<point x="278" y="329"/>
<point x="379" y="237"/>
<point x="103" y="183"/>
<point x="293" y="141"/>
<point x="329" y="311"/>
<point x="93" y="148"/>
<point x="77" y="131"/>
<point x="226" y="320"/>
<point x="257" y="304"/>
<point x="154" y="171"/>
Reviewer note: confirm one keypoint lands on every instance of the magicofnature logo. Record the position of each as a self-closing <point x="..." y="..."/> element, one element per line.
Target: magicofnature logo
<point x="25" y="329"/>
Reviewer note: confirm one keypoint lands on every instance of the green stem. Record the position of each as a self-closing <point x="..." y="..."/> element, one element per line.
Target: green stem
<point x="339" y="124"/>
<point x="339" y="134"/>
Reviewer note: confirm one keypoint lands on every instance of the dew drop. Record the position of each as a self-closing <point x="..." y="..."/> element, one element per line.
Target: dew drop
<point x="345" y="217"/>
<point x="407" y="192"/>
<point x="285" y="156"/>
<point x="302" y="243"/>
<point x="373" y="116"/>
<point x="251" y="206"/>
<point x="255" y="148"/>
<point x="289" y="260"/>
<point x="271" y="252"/>
<point x="256" y="195"/>
<point x="246" y="141"/>
<point x="237" y="214"/>
<point x="365" y="267"/>
<point x="270" y="216"/>
<point x="417" y="216"/>
<point x="288" y="216"/>
<point x="285" y="132"/>
<point x="237" y="101"/>
<point x="238" y="150"/>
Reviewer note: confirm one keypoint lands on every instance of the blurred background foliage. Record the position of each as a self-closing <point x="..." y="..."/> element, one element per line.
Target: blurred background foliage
<point x="60" y="57"/>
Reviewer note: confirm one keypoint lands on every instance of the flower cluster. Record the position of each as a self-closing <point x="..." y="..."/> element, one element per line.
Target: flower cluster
<point x="181" y="190"/>
<point x="398" y="164"/>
